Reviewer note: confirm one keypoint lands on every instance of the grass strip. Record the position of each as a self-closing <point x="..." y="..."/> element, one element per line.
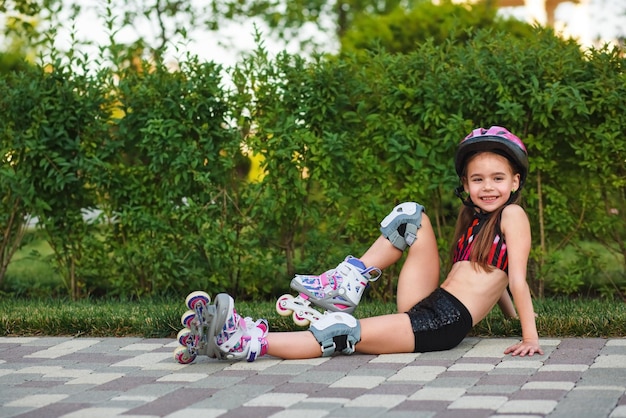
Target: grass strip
<point x="150" y="318"/>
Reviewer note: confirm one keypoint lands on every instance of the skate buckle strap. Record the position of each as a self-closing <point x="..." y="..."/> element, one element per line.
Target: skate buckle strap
<point x="347" y="269"/>
<point x="256" y="341"/>
<point x="339" y="343"/>
<point x="337" y="331"/>
<point x="256" y="347"/>
<point x="246" y="341"/>
<point x="234" y="339"/>
<point x="410" y="234"/>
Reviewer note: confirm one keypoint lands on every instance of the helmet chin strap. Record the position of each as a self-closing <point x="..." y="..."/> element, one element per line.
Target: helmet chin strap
<point x="511" y="197"/>
<point x="464" y="196"/>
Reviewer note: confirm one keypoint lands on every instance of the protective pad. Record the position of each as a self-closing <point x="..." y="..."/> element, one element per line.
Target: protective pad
<point x="401" y="225"/>
<point x="337" y="331"/>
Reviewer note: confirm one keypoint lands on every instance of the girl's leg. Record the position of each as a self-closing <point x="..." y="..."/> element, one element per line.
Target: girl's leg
<point x="341" y="289"/>
<point x="293" y="345"/>
<point x="381" y="254"/>
<point x="386" y="334"/>
<point x="379" y="335"/>
<point x="419" y="276"/>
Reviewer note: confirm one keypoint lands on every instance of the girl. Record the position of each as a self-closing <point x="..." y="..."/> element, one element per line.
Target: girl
<point x="491" y="251"/>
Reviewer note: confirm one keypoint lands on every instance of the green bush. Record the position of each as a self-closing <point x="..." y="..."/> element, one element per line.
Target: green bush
<point x="31" y="273"/>
<point x="586" y="269"/>
<point x="165" y="154"/>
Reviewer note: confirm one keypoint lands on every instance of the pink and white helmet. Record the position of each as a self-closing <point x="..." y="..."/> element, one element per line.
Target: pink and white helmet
<point x="495" y="139"/>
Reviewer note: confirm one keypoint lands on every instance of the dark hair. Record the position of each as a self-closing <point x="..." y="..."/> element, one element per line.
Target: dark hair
<point x="484" y="240"/>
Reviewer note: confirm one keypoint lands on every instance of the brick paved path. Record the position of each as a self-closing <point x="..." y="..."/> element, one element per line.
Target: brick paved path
<point x="134" y="377"/>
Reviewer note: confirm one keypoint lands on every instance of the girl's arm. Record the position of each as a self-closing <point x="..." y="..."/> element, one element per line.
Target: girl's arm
<point x="506" y="305"/>
<point x="515" y="225"/>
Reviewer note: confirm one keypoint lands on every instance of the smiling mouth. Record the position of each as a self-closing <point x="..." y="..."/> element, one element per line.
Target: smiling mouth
<point x="488" y="199"/>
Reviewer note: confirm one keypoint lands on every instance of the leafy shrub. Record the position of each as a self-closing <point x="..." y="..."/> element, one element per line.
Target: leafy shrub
<point x="163" y="153"/>
<point x="585" y="269"/>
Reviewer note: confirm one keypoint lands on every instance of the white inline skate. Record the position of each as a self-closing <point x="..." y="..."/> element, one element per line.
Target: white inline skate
<point x="218" y="331"/>
<point x="337" y="290"/>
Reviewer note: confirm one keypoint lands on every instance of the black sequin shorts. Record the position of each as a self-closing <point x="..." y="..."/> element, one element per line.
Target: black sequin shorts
<point x="439" y="322"/>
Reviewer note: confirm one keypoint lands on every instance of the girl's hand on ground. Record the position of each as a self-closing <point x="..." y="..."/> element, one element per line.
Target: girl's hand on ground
<point x="524" y="348"/>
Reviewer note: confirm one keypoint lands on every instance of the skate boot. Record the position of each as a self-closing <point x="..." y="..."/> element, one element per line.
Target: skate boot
<point x="241" y="338"/>
<point x="203" y="322"/>
<point x="197" y="336"/>
<point x="337" y="290"/>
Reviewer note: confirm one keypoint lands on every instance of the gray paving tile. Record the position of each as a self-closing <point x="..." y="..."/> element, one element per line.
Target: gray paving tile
<point x="316" y="376"/>
<point x="493" y="389"/>
<point x="170" y="402"/>
<point x="137" y="377"/>
<point x="294" y="387"/>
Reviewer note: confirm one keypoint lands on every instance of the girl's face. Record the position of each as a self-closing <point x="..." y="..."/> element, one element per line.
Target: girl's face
<point x="490" y="180"/>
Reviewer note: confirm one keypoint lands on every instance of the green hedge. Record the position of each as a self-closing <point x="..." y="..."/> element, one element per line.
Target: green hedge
<point x="166" y="155"/>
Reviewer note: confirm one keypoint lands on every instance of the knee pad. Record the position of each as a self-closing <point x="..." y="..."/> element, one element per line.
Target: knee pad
<point x="336" y="331"/>
<point x="401" y="225"/>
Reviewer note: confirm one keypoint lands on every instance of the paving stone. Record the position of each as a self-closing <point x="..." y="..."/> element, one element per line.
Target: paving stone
<point x="365" y="382"/>
<point x="456" y="382"/>
<point x="138" y="378"/>
<point x="317" y="376"/>
<point x="125" y="383"/>
<point x="492" y="389"/>
<point x="418" y="373"/>
<point x="55" y="410"/>
<point x="171" y="402"/>
<point x="197" y="412"/>
<point x="277" y="399"/>
<point x="478" y="402"/>
<point x="247" y="412"/>
<point x="347" y="393"/>
<point x="293" y="387"/>
<point x="528" y="406"/>
<point x="395" y="389"/>
<point x="619" y="412"/>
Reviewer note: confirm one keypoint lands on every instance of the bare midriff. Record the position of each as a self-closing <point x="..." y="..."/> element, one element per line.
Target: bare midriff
<point x="476" y="288"/>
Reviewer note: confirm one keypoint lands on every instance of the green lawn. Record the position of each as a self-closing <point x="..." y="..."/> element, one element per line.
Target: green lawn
<point x="161" y="318"/>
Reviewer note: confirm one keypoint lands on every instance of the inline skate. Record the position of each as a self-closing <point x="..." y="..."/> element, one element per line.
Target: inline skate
<point x="218" y="331"/>
<point x="337" y="290"/>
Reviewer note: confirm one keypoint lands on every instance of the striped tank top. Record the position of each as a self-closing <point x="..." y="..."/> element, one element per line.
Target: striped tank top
<point x="498" y="254"/>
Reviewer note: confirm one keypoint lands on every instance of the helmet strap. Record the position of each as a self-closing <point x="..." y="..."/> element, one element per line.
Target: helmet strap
<point x="512" y="197"/>
<point x="464" y="196"/>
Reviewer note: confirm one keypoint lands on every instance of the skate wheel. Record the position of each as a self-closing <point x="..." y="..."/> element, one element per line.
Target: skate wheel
<point x="281" y="304"/>
<point x="298" y="320"/>
<point x="194" y="298"/>
<point x="187" y="319"/>
<point x="183" y="356"/>
<point x="183" y="336"/>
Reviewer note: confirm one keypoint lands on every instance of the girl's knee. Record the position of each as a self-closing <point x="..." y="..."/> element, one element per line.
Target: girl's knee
<point x="401" y="226"/>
